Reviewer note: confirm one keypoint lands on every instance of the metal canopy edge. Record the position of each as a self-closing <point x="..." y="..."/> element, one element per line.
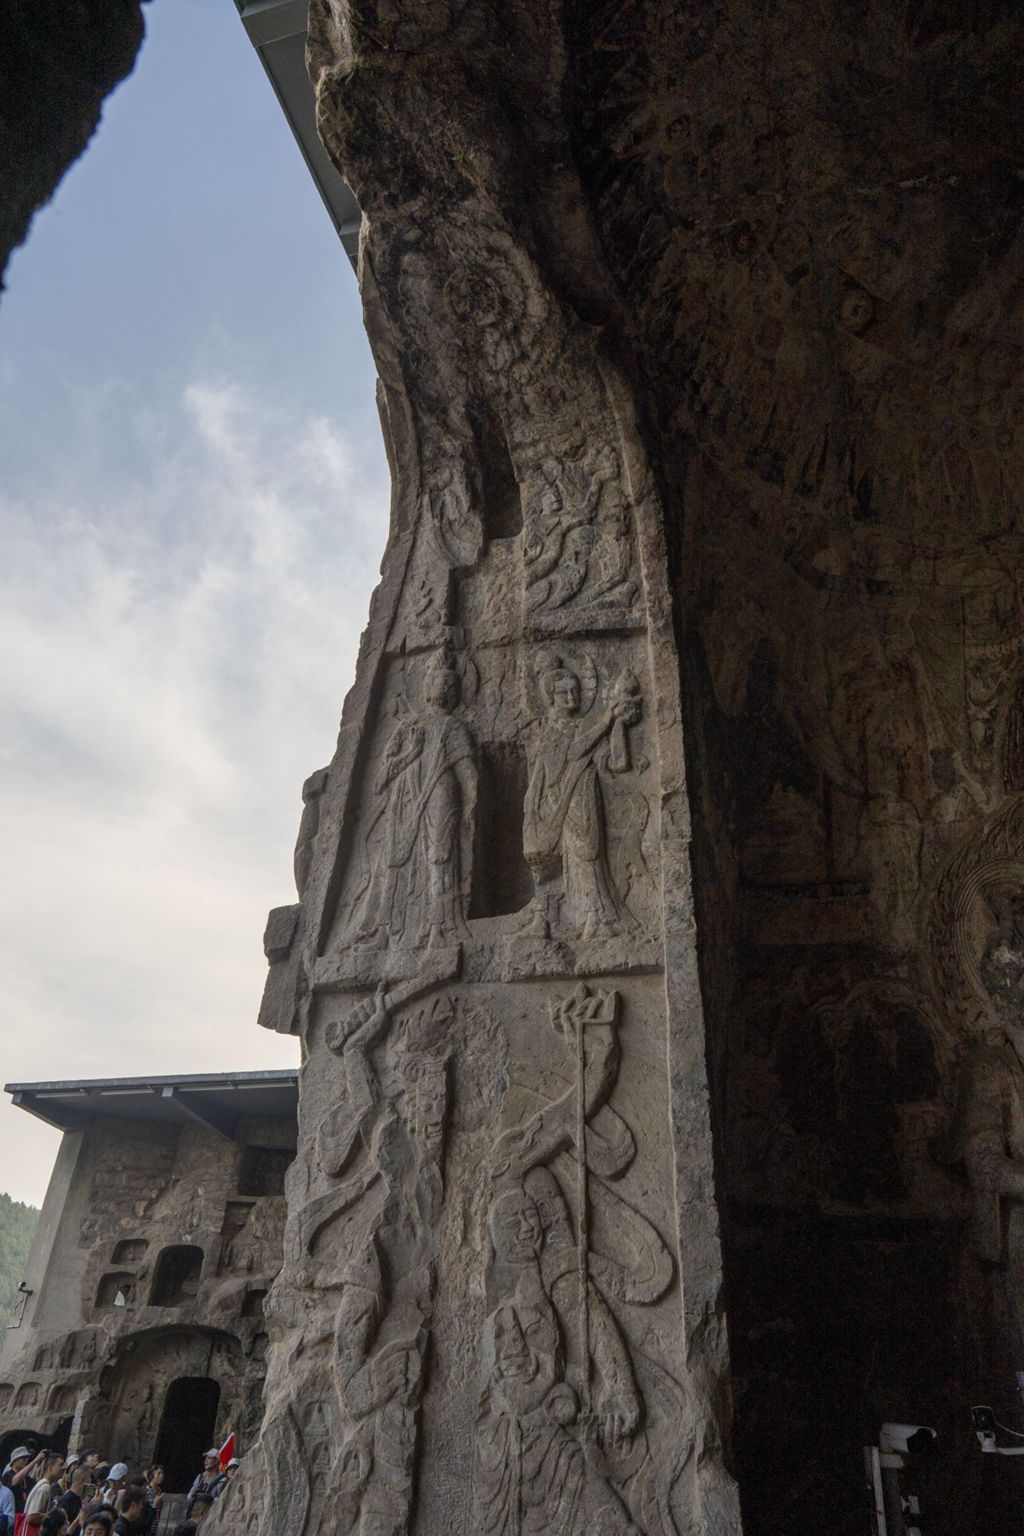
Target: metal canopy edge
<point x="216" y="1100"/>
<point x="277" y="30"/>
<point x="268" y="1075"/>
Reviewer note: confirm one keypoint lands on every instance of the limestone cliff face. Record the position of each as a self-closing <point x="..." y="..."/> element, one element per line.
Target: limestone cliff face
<point x="698" y="331"/>
<point x="810" y="217"/>
<point x="55" y="72"/>
<point x="699" y="334"/>
<point x="500" y="1308"/>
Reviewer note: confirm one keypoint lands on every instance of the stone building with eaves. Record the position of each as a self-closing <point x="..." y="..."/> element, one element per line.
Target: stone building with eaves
<point x="140" y="1328"/>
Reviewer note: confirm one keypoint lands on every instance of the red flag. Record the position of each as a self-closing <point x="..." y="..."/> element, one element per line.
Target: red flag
<point x="227" y="1450"/>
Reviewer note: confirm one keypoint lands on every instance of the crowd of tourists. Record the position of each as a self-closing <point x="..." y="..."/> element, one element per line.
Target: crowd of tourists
<point x="44" y="1493"/>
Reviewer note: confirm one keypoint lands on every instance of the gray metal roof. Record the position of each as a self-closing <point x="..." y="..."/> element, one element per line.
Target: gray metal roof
<point x="214" y="1099"/>
<point x="277" y="30"/>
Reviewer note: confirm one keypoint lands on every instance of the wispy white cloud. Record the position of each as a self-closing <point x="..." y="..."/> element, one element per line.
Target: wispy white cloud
<point x="180" y="606"/>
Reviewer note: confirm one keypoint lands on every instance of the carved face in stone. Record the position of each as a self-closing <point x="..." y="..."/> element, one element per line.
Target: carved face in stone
<point x="516" y="1229"/>
<point x="442" y="691"/>
<point x="425" y="1086"/>
<point x="513" y="1357"/>
<point x="564" y="693"/>
<point x="1002" y="968"/>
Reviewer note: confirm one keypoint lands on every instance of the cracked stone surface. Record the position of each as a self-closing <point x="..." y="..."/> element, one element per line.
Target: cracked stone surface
<point x="660" y="933"/>
<point x="698" y="335"/>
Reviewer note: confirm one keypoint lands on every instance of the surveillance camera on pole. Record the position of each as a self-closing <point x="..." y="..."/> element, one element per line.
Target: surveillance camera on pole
<point x="894" y="1512"/>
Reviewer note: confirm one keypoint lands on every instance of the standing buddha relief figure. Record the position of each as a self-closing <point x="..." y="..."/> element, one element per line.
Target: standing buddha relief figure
<point x="564" y="833"/>
<point x="420" y="838"/>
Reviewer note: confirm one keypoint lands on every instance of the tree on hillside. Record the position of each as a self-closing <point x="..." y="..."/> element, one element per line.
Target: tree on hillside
<point x="17" y="1225"/>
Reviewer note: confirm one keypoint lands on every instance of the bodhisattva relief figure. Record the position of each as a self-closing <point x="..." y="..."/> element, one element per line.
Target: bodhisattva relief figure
<point x="564" y="835"/>
<point x="553" y="1403"/>
<point x="420" y="839"/>
<point x="562" y="1431"/>
<point x="381" y="1151"/>
<point x="577" y="539"/>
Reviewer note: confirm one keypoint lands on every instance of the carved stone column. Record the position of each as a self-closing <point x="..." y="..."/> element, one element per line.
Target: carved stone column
<point x="500" y="1309"/>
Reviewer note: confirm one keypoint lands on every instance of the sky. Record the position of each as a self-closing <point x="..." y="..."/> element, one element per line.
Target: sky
<point x="193" y="507"/>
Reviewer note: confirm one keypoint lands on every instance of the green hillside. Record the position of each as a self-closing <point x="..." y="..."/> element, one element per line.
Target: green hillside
<point x="17" y="1224"/>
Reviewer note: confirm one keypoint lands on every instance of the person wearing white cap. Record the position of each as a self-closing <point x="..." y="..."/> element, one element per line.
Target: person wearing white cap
<point x="19" y="1475"/>
<point x="205" y="1481"/>
<point x="65" y="1482"/>
<point x="114" y="1483"/>
<point x="220" y="1483"/>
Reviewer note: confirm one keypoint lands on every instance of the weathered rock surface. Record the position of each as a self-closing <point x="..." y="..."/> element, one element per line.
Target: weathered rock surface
<point x="57" y="65"/>
<point x="141" y="1326"/>
<point x="699" y="337"/>
<point x="500" y="1308"/>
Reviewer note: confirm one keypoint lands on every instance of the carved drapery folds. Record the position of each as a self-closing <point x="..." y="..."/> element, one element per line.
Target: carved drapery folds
<point x="503" y="1187"/>
<point x="977" y="923"/>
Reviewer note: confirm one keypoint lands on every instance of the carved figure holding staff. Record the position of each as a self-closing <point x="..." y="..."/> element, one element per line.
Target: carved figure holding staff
<point x="379" y="1151"/>
<point x="560" y="1404"/>
<point x="564" y="835"/>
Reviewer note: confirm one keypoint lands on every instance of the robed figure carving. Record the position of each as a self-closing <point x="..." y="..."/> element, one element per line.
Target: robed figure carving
<point x="374" y="1230"/>
<point x="564" y="836"/>
<point x="564" y="1435"/>
<point x="420" y="839"/>
<point x="535" y="1471"/>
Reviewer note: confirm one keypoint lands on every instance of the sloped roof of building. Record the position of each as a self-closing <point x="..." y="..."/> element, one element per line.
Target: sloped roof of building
<point x="214" y="1099"/>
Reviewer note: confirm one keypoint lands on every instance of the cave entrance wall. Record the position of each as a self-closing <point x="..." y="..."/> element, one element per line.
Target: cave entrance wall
<point x="794" y="241"/>
<point x="165" y="1392"/>
<point x="798" y="236"/>
<point x="188" y="1427"/>
<point x="813" y="222"/>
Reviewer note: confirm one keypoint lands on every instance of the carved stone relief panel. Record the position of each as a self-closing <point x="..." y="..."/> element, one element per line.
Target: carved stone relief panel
<point x="503" y="1189"/>
<point x="411" y="884"/>
<point x="560" y="736"/>
<point x="480" y="1251"/>
<point x="578" y="1425"/>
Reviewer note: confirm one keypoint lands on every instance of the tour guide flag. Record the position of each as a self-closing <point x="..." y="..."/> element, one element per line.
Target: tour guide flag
<point x="227" y="1450"/>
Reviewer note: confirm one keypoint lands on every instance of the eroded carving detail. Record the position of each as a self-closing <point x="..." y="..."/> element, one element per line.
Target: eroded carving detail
<point x="577" y="544"/>
<point x="564" y="833"/>
<point x="561" y="1438"/>
<point x="420" y="840"/>
<point x="371" y="1237"/>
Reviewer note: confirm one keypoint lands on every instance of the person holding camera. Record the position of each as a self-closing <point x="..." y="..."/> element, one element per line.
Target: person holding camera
<point x="39" y="1501"/>
<point x="19" y="1476"/>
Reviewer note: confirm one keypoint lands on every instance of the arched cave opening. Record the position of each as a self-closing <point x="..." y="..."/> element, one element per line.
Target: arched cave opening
<point x="188" y="1425"/>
